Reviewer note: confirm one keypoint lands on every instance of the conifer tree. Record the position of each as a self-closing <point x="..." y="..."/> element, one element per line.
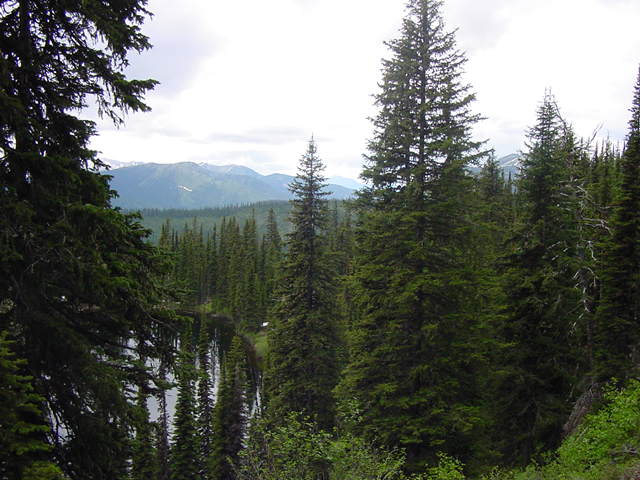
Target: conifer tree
<point x="210" y="267"/>
<point x="540" y="367"/>
<point x="24" y="453"/>
<point x="271" y="258"/>
<point x="617" y="318"/>
<point x="492" y="217"/>
<point x="230" y="413"/>
<point x="249" y="288"/>
<point x="234" y="251"/>
<point x="205" y="407"/>
<point x="605" y="179"/>
<point x="144" y="456"/>
<point x="273" y="239"/>
<point x="165" y="235"/>
<point x="302" y="368"/>
<point x="185" y="445"/>
<point x="162" y="428"/>
<point x="585" y="227"/>
<point x="79" y="275"/>
<point x="411" y="366"/>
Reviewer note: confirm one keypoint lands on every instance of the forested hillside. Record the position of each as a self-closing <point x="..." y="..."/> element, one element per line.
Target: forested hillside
<point x="210" y="218"/>
<point x="451" y="321"/>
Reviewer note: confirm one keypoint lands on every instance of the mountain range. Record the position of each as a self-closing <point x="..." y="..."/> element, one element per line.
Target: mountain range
<point x="190" y="185"/>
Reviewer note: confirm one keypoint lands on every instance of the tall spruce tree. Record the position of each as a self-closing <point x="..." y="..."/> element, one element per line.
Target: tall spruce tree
<point x="162" y="428"/>
<point x="205" y="401"/>
<point x="144" y="457"/>
<point x="618" y="315"/>
<point x="272" y="257"/>
<point x="185" y="444"/>
<point x="302" y="370"/>
<point x="230" y="413"/>
<point x="144" y="463"/>
<point x="412" y="361"/>
<point x="543" y="304"/>
<point x="77" y="275"/>
<point x="249" y="288"/>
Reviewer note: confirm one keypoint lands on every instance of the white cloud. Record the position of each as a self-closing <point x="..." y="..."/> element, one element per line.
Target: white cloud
<point x="249" y="82"/>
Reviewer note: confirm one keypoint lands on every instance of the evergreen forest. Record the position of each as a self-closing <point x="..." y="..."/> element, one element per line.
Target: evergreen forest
<point x="449" y="322"/>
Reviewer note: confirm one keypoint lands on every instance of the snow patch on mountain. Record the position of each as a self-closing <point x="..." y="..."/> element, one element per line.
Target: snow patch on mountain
<point x="512" y="160"/>
<point x="111" y="164"/>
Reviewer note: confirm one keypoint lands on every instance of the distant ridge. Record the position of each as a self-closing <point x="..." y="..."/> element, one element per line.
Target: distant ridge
<point x="189" y="185"/>
<point x="346" y="182"/>
<point x="509" y="164"/>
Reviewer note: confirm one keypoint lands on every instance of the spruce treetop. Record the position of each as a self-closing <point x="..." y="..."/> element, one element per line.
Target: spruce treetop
<point x="424" y="123"/>
<point x="302" y="367"/>
<point x="309" y="183"/>
<point x="634" y="122"/>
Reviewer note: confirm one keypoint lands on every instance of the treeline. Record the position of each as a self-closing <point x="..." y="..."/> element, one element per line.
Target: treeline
<point x="233" y="270"/>
<point x="209" y="217"/>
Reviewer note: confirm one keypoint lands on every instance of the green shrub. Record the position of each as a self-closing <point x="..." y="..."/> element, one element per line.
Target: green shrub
<point x="609" y="436"/>
<point x="298" y="450"/>
<point x="605" y="447"/>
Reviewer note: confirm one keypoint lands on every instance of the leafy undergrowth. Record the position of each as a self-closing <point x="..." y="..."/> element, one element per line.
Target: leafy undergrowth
<point x="605" y="447"/>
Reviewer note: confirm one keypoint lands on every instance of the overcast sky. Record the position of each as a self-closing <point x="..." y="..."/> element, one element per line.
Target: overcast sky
<point x="247" y="82"/>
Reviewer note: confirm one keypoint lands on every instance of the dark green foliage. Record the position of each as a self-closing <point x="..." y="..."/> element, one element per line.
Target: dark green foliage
<point x="272" y="235"/>
<point x="302" y="339"/>
<point x="162" y="428"/>
<point x="492" y="216"/>
<point x="413" y="363"/>
<point x="24" y="453"/>
<point x="540" y="367"/>
<point x="230" y="273"/>
<point x="271" y="255"/>
<point x="605" y="446"/>
<point x="78" y="277"/>
<point x="249" y="297"/>
<point x="212" y="217"/>
<point x="185" y="444"/>
<point x="617" y="320"/>
<point x="144" y="457"/>
<point x="190" y="265"/>
<point x="205" y="401"/>
<point x="230" y="413"/>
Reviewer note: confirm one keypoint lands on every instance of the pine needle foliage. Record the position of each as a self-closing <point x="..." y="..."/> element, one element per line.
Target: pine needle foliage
<point x="230" y="413"/>
<point x="24" y="453"/>
<point x="79" y="276"/>
<point x="618" y="315"/>
<point x="185" y="444"/>
<point x="541" y="363"/>
<point x="302" y="367"/>
<point x="412" y="358"/>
